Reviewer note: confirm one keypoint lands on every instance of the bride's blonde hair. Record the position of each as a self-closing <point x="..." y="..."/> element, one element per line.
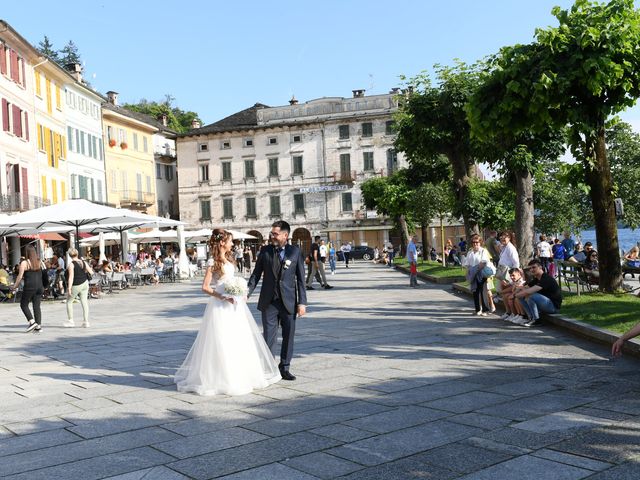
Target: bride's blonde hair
<point x="218" y="238"/>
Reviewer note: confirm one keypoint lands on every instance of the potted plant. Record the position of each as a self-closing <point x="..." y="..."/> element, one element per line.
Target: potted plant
<point x="112" y="143"/>
<point x="123" y="145"/>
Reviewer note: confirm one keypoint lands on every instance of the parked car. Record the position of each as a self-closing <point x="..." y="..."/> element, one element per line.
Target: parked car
<point x="361" y="252"/>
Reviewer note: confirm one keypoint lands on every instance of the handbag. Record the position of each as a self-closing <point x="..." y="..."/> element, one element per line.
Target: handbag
<point x="488" y="271"/>
<point x="501" y="273"/>
<point x="45" y="278"/>
<point x="414" y="269"/>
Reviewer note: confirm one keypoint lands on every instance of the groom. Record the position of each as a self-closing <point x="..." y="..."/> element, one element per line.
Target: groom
<point x="283" y="295"/>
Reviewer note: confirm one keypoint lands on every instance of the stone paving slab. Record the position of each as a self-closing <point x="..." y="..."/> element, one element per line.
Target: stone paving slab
<point x="393" y="383"/>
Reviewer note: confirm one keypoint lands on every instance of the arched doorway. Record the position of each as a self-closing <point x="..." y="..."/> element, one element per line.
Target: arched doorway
<point x="302" y="238"/>
<point x="254" y="244"/>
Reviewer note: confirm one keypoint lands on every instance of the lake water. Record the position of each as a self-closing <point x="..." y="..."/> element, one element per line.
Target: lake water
<point x="626" y="237"/>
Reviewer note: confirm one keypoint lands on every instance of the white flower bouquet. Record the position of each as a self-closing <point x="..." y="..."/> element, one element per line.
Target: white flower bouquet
<point x="236" y="287"/>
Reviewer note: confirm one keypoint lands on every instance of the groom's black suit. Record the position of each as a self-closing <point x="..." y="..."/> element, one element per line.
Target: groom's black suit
<point x="283" y="289"/>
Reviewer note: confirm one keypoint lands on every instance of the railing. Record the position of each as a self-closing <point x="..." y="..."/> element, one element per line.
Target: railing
<point x="135" y="197"/>
<point x="165" y="151"/>
<point x="18" y="202"/>
<point x="344" y="176"/>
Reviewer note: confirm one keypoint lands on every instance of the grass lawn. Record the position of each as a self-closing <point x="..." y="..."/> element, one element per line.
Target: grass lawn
<point x="617" y="313"/>
<point x="433" y="268"/>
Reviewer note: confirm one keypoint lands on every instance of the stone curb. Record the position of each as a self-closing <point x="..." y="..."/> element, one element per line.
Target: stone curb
<point x="596" y="334"/>
<point x="431" y="278"/>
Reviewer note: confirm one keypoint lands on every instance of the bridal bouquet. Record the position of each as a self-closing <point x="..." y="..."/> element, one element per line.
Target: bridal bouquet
<point x="236" y="287"/>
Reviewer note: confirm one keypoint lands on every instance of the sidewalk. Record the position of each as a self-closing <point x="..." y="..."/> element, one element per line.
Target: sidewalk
<point x="393" y="383"/>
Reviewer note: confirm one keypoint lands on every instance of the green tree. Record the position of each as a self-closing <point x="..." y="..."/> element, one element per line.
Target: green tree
<point x="432" y="201"/>
<point x="69" y="54"/>
<point x="178" y="120"/>
<point x="623" y="148"/>
<point x="490" y="203"/>
<point x="579" y="74"/>
<point x="431" y="122"/>
<point x="391" y="196"/>
<point x="562" y="199"/>
<point x="45" y="47"/>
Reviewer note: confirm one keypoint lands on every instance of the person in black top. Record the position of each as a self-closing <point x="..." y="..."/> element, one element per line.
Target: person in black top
<point x="79" y="272"/>
<point x="542" y="294"/>
<point x="31" y="270"/>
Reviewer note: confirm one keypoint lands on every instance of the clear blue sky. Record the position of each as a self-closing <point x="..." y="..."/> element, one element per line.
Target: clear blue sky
<point x="218" y="57"/>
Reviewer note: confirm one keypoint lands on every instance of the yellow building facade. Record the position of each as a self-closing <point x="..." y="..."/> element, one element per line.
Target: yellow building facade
<point x="129" y="163"/>
<point x="49" y="84"/>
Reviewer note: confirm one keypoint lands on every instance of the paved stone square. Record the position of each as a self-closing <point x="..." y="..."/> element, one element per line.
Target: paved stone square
<point x="393" y="383"/>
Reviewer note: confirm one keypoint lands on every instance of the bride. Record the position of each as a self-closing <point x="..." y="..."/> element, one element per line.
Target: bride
<point x="229" y="355"/>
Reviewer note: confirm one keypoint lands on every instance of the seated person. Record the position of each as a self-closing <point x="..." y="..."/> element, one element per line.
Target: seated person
<point x="452" y="257"/>
<point x="631" y="259"/>
<point x="515" y="312"/>
<point x="581" y="255"/>
<point x="127" y="267"/>
<point x="591" y="265"/>
<point x="542" y="294"/>
<point x="5" y="290"/>
<point x="106" y="267"/>
<point x="433" y="255"/>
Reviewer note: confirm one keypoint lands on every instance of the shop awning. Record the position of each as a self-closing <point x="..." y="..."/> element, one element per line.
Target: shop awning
<point x="50" y="237"/>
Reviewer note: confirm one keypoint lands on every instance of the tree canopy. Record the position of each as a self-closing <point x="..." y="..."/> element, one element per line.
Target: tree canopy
<point x="177" y="119"/>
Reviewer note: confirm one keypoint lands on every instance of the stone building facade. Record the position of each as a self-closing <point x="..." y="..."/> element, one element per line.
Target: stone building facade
<point x="301" y="162"/>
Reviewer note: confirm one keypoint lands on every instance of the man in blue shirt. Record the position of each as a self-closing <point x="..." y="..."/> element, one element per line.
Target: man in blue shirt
<point x="569" y="245"/>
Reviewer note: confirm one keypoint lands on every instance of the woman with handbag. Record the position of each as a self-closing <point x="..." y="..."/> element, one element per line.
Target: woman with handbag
<point x="78" y="275"/>
<point x="479" y="269"/>
<point x="36" y="279"/>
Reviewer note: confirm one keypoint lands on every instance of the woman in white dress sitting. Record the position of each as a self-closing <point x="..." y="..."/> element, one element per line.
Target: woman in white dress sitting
<point x="229" y="355"/>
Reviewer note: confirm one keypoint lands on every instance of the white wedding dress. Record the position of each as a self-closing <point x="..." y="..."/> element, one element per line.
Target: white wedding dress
<point x="229" y="355"/>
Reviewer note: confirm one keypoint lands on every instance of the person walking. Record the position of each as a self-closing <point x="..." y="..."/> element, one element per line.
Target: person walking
<point x="283" y="296"/>
<point x="412" y="258"/>
<point x="332" y="258"/>
<point x="78" y="275"/>
<point x="317" y="264"/>
<point x="346" y="253"/>
<point x="390" y="253"/>
<point x="31" y="269"/>
<point x="238" y="252"/>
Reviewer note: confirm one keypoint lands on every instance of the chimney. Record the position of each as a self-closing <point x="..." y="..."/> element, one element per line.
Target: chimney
<point x="358" y="93"/>
<point x="75" y="69"/>
<point x="394" y="91"/>
<point x="112" y="97"/>
<point x="195" y="123"/>
<point x="163" y="118"/>
<point x="293" y="100"/>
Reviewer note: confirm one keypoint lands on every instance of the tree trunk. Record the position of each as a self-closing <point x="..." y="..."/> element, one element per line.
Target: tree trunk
<point x="463" y="173"/>
<point x="404" y="229"/>
<point x="598" y="177"/>
<point x="524" y="229"/>
<point x="444" y="258"/>
<point x="425" y="249"/>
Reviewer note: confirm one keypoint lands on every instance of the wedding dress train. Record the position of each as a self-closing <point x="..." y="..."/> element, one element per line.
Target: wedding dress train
<point x="229" y="355"/>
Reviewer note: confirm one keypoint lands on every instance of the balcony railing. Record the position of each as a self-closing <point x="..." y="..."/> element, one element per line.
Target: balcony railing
<point x="345" y="176"/>
<point x="135" y="198"/>
<point x="19" y="202"/>
<point x="165" y="151"/>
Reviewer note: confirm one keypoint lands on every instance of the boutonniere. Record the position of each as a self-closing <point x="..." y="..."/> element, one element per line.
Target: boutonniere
<point x="287" y="263"/>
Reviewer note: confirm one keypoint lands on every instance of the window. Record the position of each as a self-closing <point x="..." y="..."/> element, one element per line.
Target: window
<point x="274" y="204"/>
<point x="168" y="172"/>
<point x="272" y="141"/>
<point x="135" y="142"/>
<point x="158" y="171"/>
<point x="367" y="129"/>
<point x="94" y="143"/>
<point x="251" y="207"/>
<point x="248" y="142"/>
<point x="297" y="165"/>
<point x="109" y="133"/>
<point x="226" y="171"/>
<point x="345" y="165"/>
<point x="114" y="182"/>
<point x="70" y="138"/>
<point x="298" y="203"/>
<point x="225" y="144"/>
<point x="296" y="138"/>
<point x="160" y="207"/>
<point x="392" y="161"/>
<point x="203" y="147"/>
<point x="343" y="131"/>
<point x="99" y="197"/>
<point x="249" y="171"/>
<point x="204" y="172"/>
<point x="368" y="160"/>
<point x="227" y="208"/>
<point x="205" y="209"/>
<point x="145" y="144"/>
<point x="389" y="127"/>
<point x="273" y="167"/>
<point x="346" y="202"/>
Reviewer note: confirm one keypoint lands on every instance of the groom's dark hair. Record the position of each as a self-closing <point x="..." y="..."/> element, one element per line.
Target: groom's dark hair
<point x="282" y="225"/>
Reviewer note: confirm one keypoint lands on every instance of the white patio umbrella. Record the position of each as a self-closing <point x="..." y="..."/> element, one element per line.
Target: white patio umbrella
<point x="155" y="235"/>
<point x="195" y="236"/>
<point x="240" y="235"/>
<point x="110" y="238"/>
